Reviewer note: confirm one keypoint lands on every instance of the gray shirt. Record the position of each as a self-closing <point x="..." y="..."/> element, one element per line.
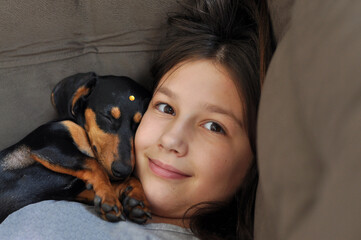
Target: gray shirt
<point x="57" y="220"/>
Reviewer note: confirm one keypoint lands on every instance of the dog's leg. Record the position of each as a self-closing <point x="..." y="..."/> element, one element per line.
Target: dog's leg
<point x="87" y="196"/>
<point x="65" y="149"/>
<point x="95" y="177"/>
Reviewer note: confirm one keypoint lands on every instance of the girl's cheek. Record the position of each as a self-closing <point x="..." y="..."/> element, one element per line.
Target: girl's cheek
<point x="140" y="133"/>
<point x="145" y="131"/>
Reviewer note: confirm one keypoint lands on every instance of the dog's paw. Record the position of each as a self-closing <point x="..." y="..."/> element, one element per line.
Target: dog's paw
<point x="108" y="206"/>
<point x="109" y="212"/>
<point x="135" y="205"/>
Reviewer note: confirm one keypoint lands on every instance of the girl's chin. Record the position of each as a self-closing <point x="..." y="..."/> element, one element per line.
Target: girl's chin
<point x="165" y="206"/>
<point x="167" y="197"/>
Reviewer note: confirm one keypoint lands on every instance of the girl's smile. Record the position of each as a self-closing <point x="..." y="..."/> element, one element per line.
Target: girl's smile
<point x="166" y="171"/>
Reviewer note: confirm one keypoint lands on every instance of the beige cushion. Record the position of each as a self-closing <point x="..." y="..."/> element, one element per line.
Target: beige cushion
<point x="44" y="41"/>
<point x="309" y="130"/>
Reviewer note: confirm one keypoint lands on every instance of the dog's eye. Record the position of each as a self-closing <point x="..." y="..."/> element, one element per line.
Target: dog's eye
<point x="107" y="117"/>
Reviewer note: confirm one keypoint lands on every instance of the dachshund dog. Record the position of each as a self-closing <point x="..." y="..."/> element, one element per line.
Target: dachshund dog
<point x="88" y="156"/>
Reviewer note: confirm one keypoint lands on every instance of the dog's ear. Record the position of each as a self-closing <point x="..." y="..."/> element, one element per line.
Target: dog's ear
<point x="69" y="96"/>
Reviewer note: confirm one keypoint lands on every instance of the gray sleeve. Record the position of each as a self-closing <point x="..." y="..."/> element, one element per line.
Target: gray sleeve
<point x="56" y="220"/>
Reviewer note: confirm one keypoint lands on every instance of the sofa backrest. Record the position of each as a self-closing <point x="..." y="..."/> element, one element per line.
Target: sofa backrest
<point x="44" y="41"/>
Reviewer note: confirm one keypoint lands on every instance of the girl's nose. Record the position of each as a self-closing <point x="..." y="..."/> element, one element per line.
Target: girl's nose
<point x="173" y="140"/>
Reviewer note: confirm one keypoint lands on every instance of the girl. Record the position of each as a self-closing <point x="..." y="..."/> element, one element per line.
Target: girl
<point x="195" y="146"/>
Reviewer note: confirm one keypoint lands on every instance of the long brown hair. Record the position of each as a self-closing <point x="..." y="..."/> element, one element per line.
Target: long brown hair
<point x="236" y="34"/>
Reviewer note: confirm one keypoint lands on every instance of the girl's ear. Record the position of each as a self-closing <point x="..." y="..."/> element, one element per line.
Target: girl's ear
<point x="69" y="96"/>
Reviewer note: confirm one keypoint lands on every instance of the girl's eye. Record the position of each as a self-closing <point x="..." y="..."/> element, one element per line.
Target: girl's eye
<point x="165" y="108"/>
<point x="214" y="127"/>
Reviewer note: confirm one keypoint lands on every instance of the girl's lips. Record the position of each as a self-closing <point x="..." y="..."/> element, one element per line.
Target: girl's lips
<point x="165" y="171"/>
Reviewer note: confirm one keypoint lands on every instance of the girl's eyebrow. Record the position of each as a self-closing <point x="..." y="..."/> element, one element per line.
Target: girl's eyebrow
<point x="166" y="91"/>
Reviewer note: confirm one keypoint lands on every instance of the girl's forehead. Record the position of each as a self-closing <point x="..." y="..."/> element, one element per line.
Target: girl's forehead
<point x="195" y="72"/>
<point x="201" y="76"/>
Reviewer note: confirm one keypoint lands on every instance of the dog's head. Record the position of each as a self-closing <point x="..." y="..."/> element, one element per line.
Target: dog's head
<point x="110" y="109"/>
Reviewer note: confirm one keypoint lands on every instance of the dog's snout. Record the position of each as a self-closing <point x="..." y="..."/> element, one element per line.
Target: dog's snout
<point x="121" y="170"/>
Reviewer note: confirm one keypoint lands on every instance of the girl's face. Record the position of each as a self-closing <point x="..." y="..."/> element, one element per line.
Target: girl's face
<point x="191" y="145"/>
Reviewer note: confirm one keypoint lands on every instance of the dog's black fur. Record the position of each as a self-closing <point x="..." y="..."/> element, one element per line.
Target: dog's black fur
<point x="72" y="159"/>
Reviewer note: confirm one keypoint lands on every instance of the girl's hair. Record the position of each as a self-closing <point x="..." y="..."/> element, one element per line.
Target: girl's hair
<point x="235" y="34"/>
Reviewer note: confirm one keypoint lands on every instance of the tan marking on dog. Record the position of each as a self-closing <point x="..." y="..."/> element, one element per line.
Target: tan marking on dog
<point x="86" y="196"/>
<point x="19" y="158"/>
<point x="132" y="153"/>
<point x="137" y="117"/>
<point x="82" y="91"/>
<point x="53" y="99"/>
<point x="92" y="172"/>
<point x="137" y="189"/>
<point x="80" y="138"/>
<point x="105" y="143"/>
<point x="116" y="112"/>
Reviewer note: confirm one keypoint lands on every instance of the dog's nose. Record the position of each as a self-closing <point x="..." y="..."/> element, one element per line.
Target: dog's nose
<point x="121" y="170"/>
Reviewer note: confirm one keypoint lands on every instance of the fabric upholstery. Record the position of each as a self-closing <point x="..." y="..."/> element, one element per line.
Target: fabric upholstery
<point x="309" y="129"/>
<point x="44" y="41"/>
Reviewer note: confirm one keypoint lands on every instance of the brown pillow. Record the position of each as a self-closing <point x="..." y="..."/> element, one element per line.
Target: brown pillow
<point x="309" y="129"/>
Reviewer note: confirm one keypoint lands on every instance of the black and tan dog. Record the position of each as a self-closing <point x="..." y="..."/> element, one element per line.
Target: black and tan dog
<point x="72" y="159"/>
